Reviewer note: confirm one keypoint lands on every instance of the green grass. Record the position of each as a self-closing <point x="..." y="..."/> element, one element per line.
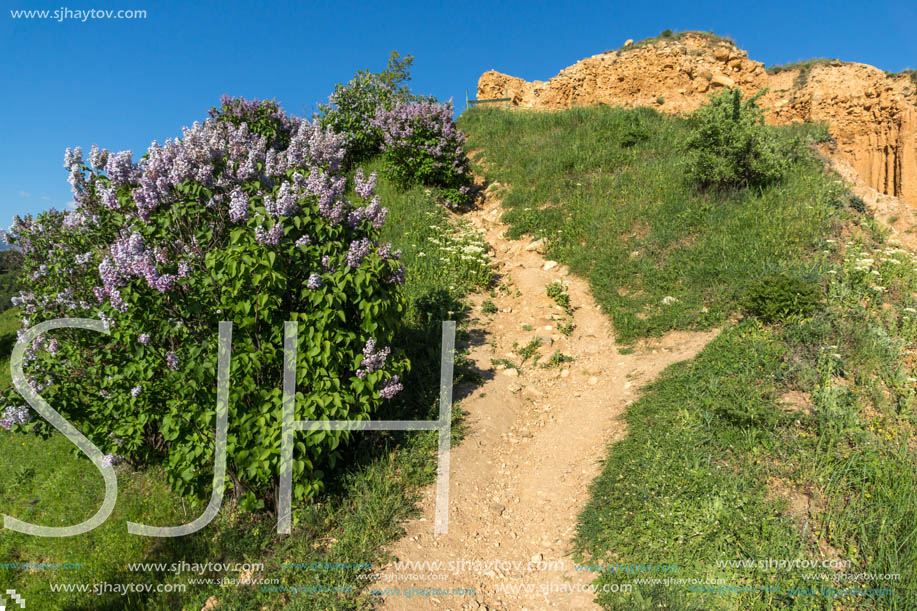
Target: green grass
<point x="694" y="480"/>
<point x="621" y="214"/>
<point x="9" y="324"/>
<point x="804" y="68"/>
<point x="911" y="74"/>
<point x="716" y="463"/>
<point x="369" y="495"/>
<point x="804" y="65"/>
<point x="669" y="35"/>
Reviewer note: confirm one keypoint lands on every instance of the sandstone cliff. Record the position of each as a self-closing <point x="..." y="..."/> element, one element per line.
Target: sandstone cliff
<point x="873" y="117"/>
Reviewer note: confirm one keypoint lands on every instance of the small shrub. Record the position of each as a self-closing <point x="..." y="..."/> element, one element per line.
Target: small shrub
<point x="731" y="145"/>
<point x="665" y="34"/>
<point x="660" y="100"/>
<point x="488" y="307"/>
<point x="423" y="146"/>
<point x="465" y="253"/>
<point x="779" y="297"/>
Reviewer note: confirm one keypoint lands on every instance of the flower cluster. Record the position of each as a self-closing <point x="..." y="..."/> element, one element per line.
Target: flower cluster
<point x="110" y="460"/>
<point x="372" y="360"/>
<point x="14" y="415"/>
<point x="391" y="388"/>
<point x="422" y="145"/>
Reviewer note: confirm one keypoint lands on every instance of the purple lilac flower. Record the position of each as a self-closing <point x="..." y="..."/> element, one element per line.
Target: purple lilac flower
<point x="304" y="241"/>
<point x="136" y="390"/>
<point x="98" y="157"/>
<point x="386" y="253"/>
<point x="391" y="388"/>
<point x="15" y="415"/>
<point x="172" y="361"/>
<point x="238" y="207"/>
<point x="270" y="237"/>
<point x="372" y="359"/>
<point x="144" y="338"/>
<point x="109" y="198"/>
<point x="119" y="167"/>
<point x="110" y="460"/>
<point x="285" y="203"/>
<point x="374" y="213"/>
<point x="73" y="157"/>
<point x="129" y="258"/>
<point x="358" y="250"/>
<point x="397" y="277"/>
<point x="53" y="346"/>
<point x="114" y="297"/>
<point x="314" y="282"/>
<point x="365" y="187"/>
<point x="311" y="144"/>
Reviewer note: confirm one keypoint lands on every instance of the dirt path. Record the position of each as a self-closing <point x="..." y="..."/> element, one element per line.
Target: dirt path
<point x="535" y="442"/>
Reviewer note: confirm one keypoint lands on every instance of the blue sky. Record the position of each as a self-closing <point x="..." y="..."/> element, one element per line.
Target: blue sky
<point x="123" y="83"/>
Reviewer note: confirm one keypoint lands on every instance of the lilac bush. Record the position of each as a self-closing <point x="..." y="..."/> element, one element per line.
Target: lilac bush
<point x="244" y="219"/>
<point x="423" y="146"/>
<point x="353" y="105"/>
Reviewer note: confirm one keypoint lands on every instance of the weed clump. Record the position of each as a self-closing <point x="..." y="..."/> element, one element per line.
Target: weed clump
<point x="558" y="292"/>
<point x="780" y="297"/>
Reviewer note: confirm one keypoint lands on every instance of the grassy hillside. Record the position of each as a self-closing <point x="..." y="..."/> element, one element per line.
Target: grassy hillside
<point x="784" y="440"/>
<point x="368" y="497"/>
<point x="605" y="187"/>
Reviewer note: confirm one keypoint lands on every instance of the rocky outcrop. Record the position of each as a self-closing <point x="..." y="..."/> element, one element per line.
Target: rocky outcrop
<point x="872" y="120"/>
<point x="872" y="117"/>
